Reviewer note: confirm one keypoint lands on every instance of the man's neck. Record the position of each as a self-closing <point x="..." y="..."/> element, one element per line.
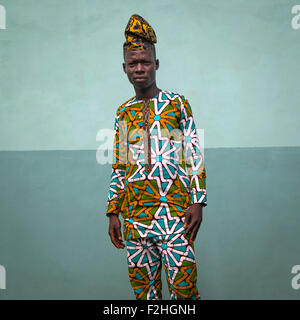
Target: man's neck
<point x="146" y="93"/>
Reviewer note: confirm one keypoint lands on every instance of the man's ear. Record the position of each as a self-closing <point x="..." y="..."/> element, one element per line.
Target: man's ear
<point x="156" y="64"/>
<point x="124" y="67"/>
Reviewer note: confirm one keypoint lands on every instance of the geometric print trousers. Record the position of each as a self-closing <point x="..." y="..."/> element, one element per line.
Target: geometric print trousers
<point x="145" y="257"/>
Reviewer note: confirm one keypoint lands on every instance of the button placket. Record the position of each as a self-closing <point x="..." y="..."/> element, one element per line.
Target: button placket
<point x="146" y="130"/>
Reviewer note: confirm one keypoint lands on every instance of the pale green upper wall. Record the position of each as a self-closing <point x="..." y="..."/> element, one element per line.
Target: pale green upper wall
<point x="61" y="78"/>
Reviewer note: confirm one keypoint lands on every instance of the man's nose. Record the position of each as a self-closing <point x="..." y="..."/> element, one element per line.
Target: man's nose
<point x="139" y="67"/>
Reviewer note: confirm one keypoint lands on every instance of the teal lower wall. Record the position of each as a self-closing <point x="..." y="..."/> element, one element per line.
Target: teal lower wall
<point x="54" y="240"/>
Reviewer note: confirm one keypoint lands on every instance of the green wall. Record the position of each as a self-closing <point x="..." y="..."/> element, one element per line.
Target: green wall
<point x="54" y="239"/>
<point x="60" y="83"/>
<point x="61" y="76"/>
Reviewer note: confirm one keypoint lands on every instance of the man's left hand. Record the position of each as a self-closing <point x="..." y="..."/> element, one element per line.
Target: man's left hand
<point x="193" y="219"/>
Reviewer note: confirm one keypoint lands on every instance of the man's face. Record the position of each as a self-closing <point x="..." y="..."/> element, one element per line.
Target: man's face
<point x="140" y="67"/>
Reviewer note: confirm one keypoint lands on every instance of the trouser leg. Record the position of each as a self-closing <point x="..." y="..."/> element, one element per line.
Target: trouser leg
<point x="179" y="261"/>
<point x="144" y="268"/>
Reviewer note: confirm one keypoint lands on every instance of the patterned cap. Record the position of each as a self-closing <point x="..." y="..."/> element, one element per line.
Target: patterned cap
<point x="138" y="31"/>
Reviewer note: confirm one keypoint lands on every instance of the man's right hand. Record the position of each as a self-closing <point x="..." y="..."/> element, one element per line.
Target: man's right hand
<point x="114" y="231"/>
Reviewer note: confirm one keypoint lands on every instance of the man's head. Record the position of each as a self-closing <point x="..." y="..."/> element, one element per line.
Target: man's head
<point x="140" y="67"/>
<point x="140" y="63"/>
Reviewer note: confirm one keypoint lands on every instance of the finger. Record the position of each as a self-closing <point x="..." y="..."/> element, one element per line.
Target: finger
<point x="189" y="229"/>
<point x="119" y="234"/>
<point x="120" y="239"/>
<point x="194" y="232"/>
<point x="111" y="234"/>
<point x="114" y="239"/>
<point x="121" y="245"/>
<point x="120" y="242"/>
<point x="188" y="216"/>
<point x="186" y="232"/>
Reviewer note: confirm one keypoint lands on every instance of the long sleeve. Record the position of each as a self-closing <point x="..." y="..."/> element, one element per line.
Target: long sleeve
<point x="193" y="158"/>
<point x="116" y="186"/>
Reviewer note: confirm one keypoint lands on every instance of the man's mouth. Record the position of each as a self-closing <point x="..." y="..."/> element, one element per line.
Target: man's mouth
<point x="140" y="79"/>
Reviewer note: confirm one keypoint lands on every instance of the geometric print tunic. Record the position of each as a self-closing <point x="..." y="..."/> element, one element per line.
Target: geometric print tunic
<point x="158" y="169"/>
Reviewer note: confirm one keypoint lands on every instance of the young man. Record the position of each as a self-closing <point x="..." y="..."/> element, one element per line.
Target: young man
<point x="158" y="181"/>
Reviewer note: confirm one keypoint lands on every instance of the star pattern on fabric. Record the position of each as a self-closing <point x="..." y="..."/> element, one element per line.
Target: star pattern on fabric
<point x="154" y="202"/>
<point x="178" y="258"/>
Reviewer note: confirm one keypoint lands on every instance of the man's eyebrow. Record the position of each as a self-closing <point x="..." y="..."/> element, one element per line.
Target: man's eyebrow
<point x="131" y="60"/>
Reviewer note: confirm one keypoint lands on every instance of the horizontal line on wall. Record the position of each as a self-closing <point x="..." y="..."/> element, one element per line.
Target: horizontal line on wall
<point x="211" y="148"/>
